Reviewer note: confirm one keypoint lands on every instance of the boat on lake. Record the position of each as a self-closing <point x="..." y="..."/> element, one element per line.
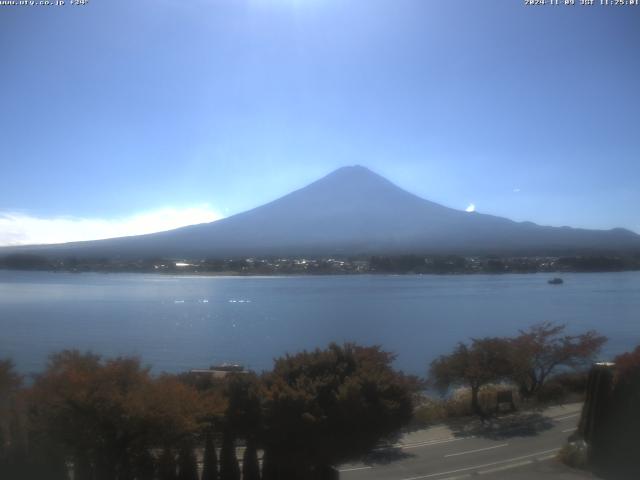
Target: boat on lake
<point x="556" y="281"/>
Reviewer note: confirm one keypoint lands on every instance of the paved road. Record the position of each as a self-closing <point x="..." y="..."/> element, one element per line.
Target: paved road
<point x="516" y="443"/>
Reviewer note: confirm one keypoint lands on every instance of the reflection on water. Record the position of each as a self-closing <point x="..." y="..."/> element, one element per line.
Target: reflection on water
<point x="180" y="322"/>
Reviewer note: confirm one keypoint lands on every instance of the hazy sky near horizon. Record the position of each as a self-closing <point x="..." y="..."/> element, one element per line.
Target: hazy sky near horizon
<point x="123" y="117"/>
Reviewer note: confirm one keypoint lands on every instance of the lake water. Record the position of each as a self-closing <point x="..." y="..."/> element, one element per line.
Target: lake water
<point x="179" y="322"/>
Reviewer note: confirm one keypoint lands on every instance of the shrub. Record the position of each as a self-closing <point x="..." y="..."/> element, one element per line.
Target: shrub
<point x="573" y="382"/>
<point x="574" y="454"/>
<point x="551" y="392"/>
<point x="429" y="412"/>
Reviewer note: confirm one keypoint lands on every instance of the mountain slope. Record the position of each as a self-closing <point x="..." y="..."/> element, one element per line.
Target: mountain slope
<point x="353" y="211"/>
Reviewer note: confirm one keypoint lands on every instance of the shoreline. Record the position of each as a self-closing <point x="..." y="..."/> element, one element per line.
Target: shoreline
<point x="300" y="274"/>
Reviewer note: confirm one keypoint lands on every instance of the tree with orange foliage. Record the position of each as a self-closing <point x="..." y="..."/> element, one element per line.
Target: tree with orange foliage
<point x="544" y="348"/>
<point x="108" y="414"/>
<point x="483" y="361"/>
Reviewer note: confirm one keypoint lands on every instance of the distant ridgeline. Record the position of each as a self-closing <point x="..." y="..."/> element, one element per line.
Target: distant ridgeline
<point x="402" y="264"/>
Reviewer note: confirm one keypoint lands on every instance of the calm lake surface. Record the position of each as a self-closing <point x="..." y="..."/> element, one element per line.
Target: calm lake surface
<point x="179" y="322"/>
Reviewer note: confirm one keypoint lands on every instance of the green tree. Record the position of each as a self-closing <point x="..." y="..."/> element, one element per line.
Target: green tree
<point x="484" y="361"/>
<point x="250" y="465"/>
<point x="329" y="406"/>
<point x="10" y="381"/>
<point x="242" y="419"/>
<point x="269" y="467"/>
<point x="4" y="460"/>
<point x="187" y="463"/>
<point x="167" y="467"/>
<point x="46" y="458"/>
<point x="243" y="415"/>
<point x="145" y="466"/>
<point x="229" y="468"/>
<point x="11" y="448"/>
<point x="210" y="464"/>
<point x="15" y="425"/>
<point x="82" y="467"/>
<point x="543" y="348"/>
<point x="611" y="419"/>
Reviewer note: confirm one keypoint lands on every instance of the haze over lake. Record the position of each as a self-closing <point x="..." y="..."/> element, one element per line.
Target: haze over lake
<point x="179" y="322"/>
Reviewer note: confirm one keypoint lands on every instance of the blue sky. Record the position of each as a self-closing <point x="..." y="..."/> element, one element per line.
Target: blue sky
<point x="122" y="117"/>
